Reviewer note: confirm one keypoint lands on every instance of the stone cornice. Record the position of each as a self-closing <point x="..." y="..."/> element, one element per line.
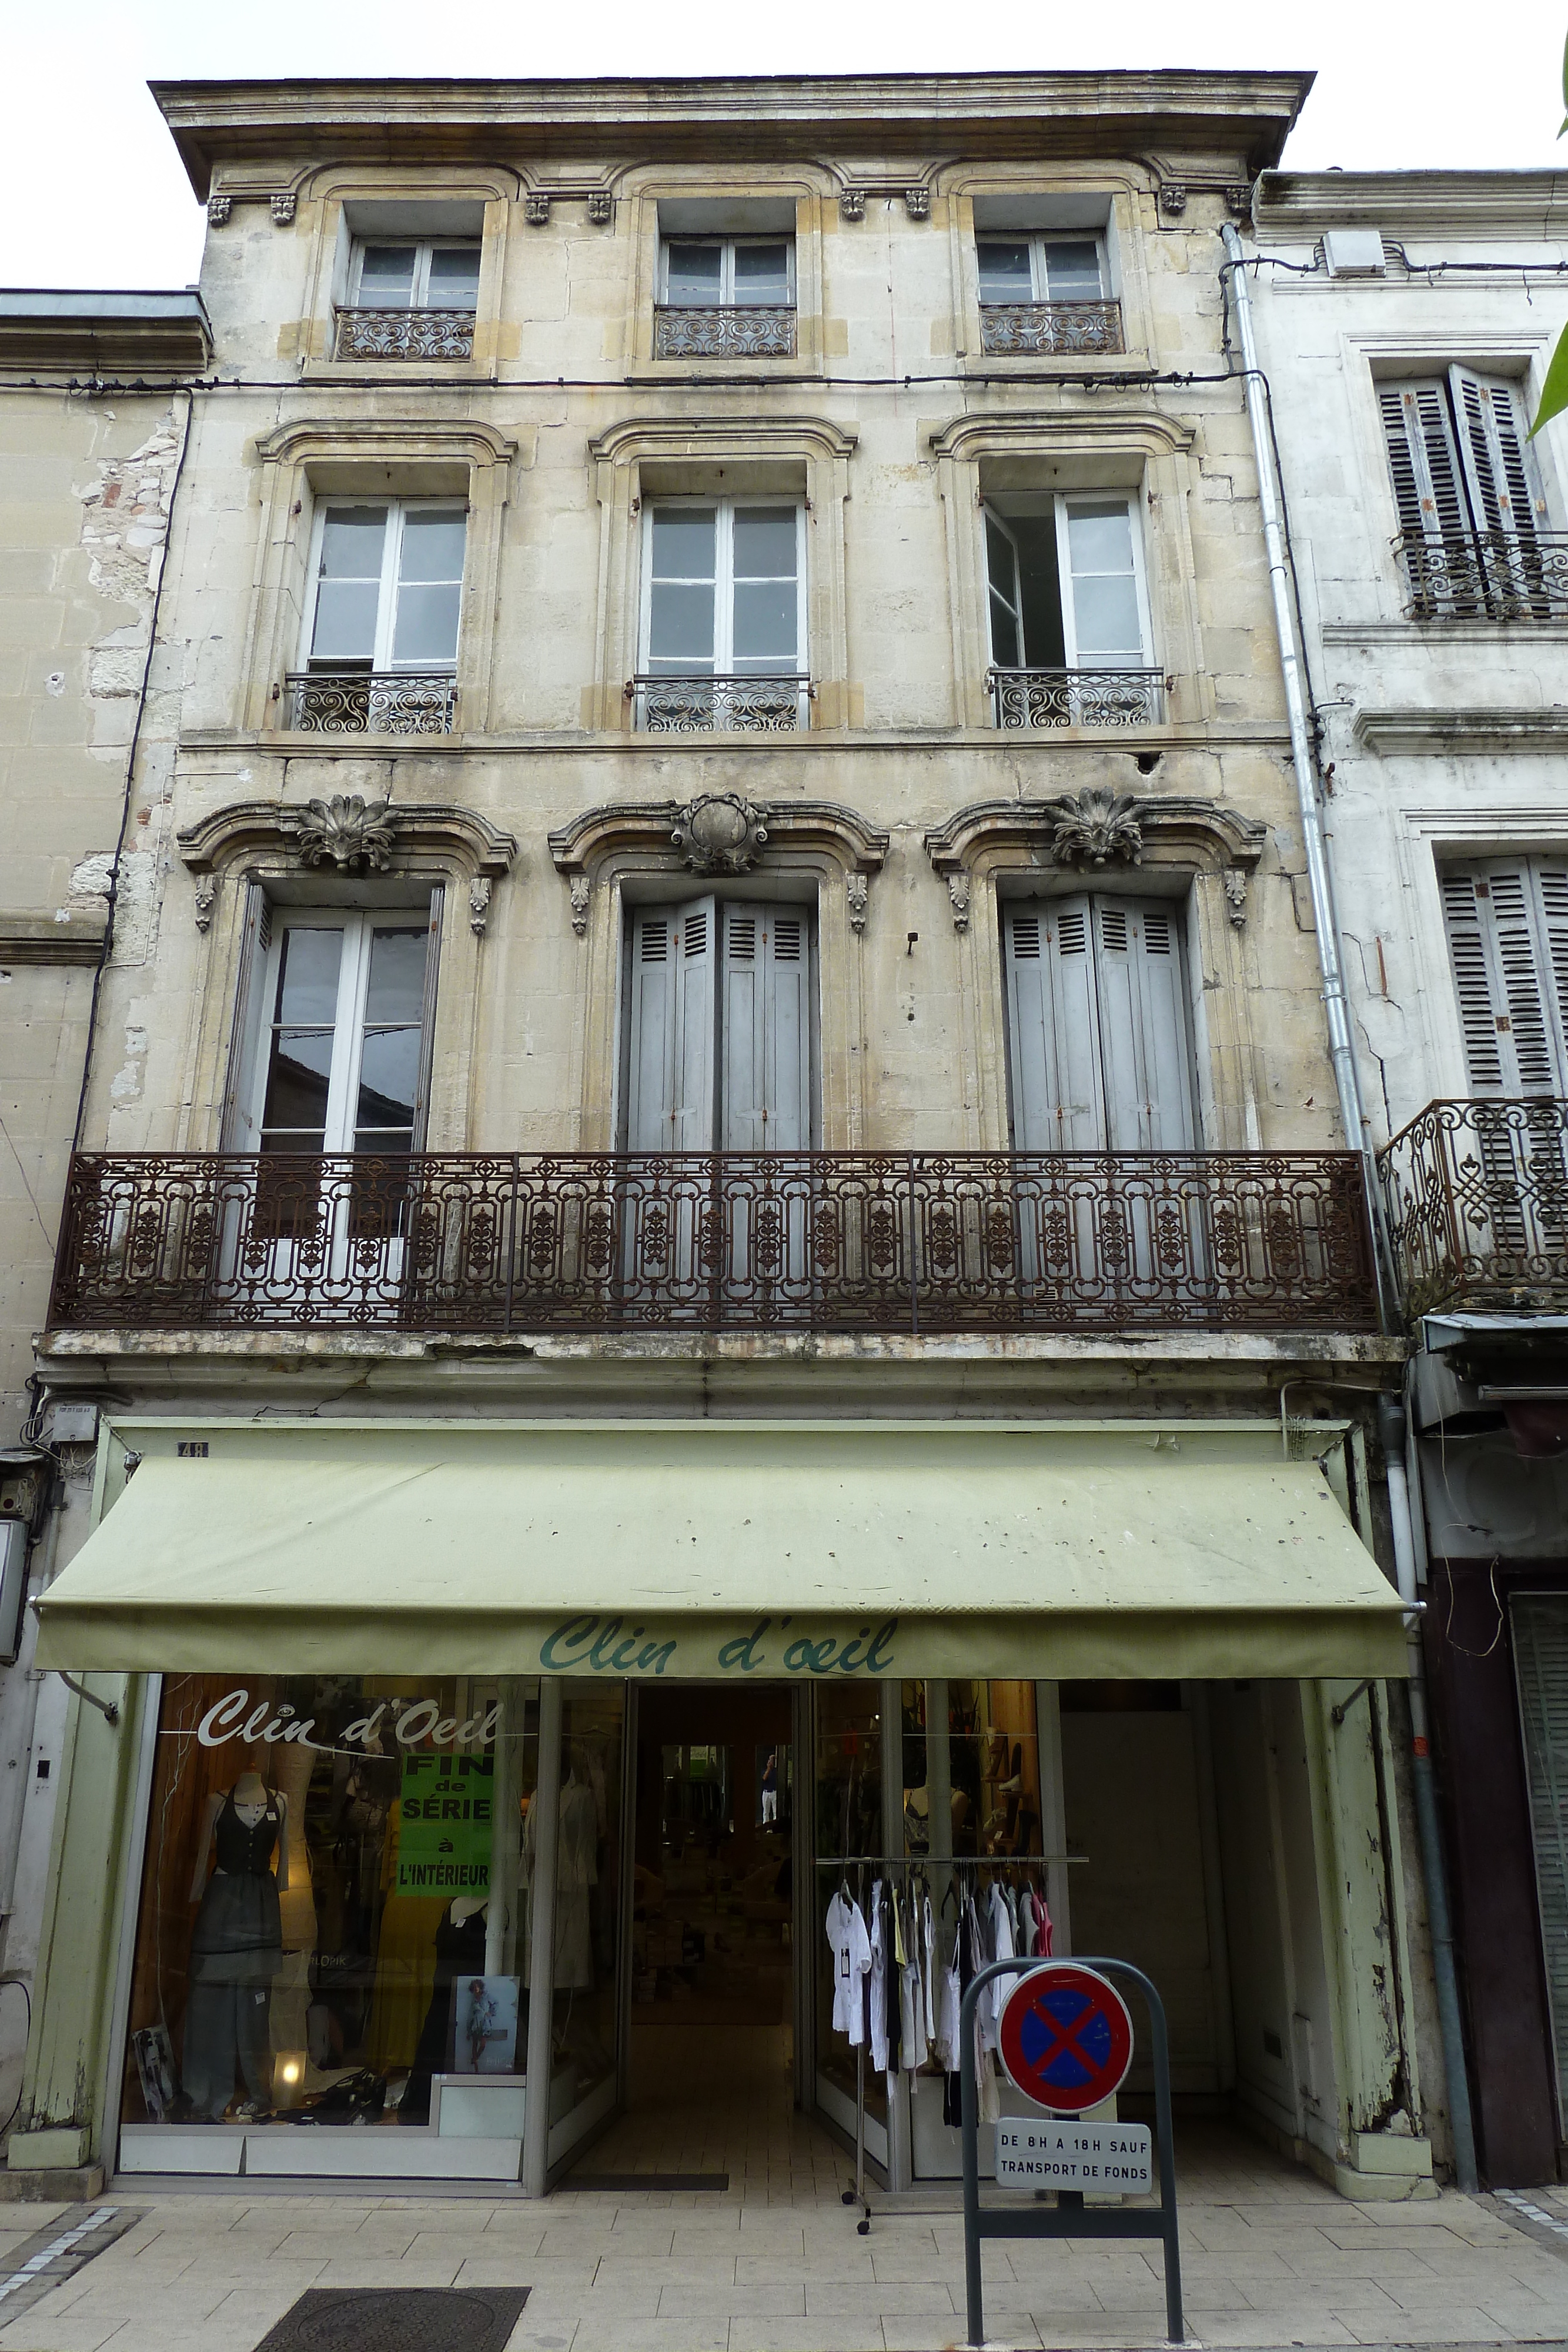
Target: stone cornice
<point x="1467" y="729"/>
<point x="1214" y="834"/>
<point x="1234" y="124"/>
<point x="751" y="434"/>
<point x="1528" y="204"/>
<point x="649" y="828"/>
<point x="75" y="937"/>
<point x="386" y="438"/>
<point x="1096" y="427"/>
<point x="419" y="830"/>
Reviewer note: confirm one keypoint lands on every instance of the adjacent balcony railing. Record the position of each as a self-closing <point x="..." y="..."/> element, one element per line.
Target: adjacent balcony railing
<point x="1477" y="1205"/>
<point x="1489" y="575"/>
<point x="1038" y="330"/>
<point x="405" y="334"/>
<point x="616" y="1243"/>
<point x="1076" y="698"/>
<point x="697" y="704"/>
<point x="723" y="331"/>
<point x="371" y="702"/>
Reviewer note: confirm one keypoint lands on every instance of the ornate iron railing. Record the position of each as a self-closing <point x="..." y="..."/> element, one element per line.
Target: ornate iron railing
<point x="723" y="331"/>
<point x="405" y="334"/>
<point x="1039" y="329"/>
<point x="1477" y="1205"/>
<point x="1489" y="575"/>
<point x="697" y="705"/>
<point x="371" y="702"/>
<point x="617" y="1242"/>
<point x="1076" y="698"/>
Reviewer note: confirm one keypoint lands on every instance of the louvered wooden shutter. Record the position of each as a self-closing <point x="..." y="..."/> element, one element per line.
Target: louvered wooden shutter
<point x="670" y="1076"/>
<point x="1143" y="1048"/>
<point x="1508" y="939"/>
<point x="766" y="1031"/>
<point x="427" y="1031"/>
<point x="1058" y="1095"/>
<point x="1423" y="459"/>
<point x="240" y="1130"/>
<point x="1540" y="1626"/>
<point x="1496" y="470"/>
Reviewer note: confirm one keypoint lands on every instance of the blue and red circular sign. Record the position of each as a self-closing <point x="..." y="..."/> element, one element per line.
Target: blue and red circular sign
<point x="1066" y="2037"/>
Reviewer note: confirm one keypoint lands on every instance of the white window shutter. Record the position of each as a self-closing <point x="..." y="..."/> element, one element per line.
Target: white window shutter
<point x="766" y="1050"/>
<point x="1143" y="1026"/>
<point x="1058" y="1095"/>
<point x="1497" y="469"/>
<point x="670" y="1081"/>
<point x="1508" y="939"/>
<point x="1423" y="460"/>
<point x="240" y="1126"/>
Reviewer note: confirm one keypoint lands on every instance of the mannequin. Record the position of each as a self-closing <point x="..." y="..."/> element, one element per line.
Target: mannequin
<point x="576" y="1872"/>
<point x="289" y="1771"/>
<point x="236" y="1948"/>
<point x="459" y="1952"/>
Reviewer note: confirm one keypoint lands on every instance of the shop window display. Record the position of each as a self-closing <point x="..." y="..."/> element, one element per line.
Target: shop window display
<point x="332" y="1899"/>
<point x="586" y="1900"/>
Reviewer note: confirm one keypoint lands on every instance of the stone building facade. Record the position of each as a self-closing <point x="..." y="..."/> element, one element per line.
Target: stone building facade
<point x="728" y="1025"/>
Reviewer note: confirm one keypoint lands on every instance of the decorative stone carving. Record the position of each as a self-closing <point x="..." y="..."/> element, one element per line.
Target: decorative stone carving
<point x="600" y="207"/>
<point x="917" y="203"/>
<point x="1239" y="200"/>
<point x="719" y="833"/>
<point x="206" y="900"/>
<point x="346" y="830"/>
<point x="581" y="891"/>
<point x="851" y="204"/>
<point x="535" y="207"/>
<point x="1173" y="198"/>
<point x="283" y="207"/>
<point x="1235" y="896"/>
<point x="958" y="895"/>
<point x="218" y="210"/>
<point x="857" y="893"/>
<point x="479" y="904"/>
<point x="1094" y="827"/>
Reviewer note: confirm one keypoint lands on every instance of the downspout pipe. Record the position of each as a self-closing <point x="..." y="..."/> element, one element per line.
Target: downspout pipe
<point x="1325" y="918"/>
<point x="1391" y="1428"/>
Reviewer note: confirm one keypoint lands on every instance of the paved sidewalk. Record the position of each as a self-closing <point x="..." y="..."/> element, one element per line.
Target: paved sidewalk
<point x="1271" y="2258"/>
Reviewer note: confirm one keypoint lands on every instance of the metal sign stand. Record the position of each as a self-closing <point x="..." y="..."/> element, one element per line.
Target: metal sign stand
<point x="1069" y="2217"/>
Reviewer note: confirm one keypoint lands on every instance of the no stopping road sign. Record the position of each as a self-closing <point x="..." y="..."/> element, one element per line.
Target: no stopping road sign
<point x="1066" y="2037"/>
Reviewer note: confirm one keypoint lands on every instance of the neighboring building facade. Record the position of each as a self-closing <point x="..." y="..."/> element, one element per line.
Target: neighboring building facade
<point x="85" y="479"/>
<point x="722" y="1163"/>
<point x="1429" y="536"/>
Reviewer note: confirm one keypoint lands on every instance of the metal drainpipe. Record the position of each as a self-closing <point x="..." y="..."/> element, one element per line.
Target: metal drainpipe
<point x="1331" y="956"/>
<point x="1391" y="1429"/>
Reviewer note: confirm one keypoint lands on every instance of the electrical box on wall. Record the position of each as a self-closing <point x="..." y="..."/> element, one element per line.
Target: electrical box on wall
<point x="1354" y="253"/>
<point x="72" y="1424"/>
<point x="13" y="1587"/>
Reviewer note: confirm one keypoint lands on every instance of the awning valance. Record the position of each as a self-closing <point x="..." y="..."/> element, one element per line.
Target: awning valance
<point x="707" y="1549"/>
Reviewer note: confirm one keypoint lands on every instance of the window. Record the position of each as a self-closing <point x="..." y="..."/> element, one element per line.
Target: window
<point x="720" y="1028"/>
<point x="410" y="301"/>
<point x="380" y="648"/>
<point x="1471" y="516"/>
<point x="725" y="295"/>
<point x="1099" y="1045"/>
<point x="1507" y="922"/>
<point x="341" y="1064"/>
<point x="1068" y="614"/>
<point x="1046" y="294"/>
<point x="724" y="617"/>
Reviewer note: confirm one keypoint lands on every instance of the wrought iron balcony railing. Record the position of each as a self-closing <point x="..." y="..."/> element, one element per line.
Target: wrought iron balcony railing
<point x="1076" y="698"/>
<point x="405" y="334"/>
<point x="1477" y="1205"/>
<point x="1489" y="575"/>
<point x="723" y="331"/>
<point x="1037" y="329"/>
<point x="698" y="703"/>
<point x="373" y="702"/>
<point x="614" y="1242"/>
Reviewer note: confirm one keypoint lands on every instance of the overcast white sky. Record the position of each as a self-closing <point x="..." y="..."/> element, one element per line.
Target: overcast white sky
<point x="91" y="192"/>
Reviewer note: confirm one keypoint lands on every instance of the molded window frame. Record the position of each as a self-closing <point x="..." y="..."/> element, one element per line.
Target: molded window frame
<point x="382" y="661"/>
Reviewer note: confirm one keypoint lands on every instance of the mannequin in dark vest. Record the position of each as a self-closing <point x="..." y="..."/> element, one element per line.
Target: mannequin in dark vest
<point x="236" y="1949"/>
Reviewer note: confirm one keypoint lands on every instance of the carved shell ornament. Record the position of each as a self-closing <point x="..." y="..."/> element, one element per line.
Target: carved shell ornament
<point x="348" y="831"/>
<point x="1094" y="827"/>
<point x="719" y="834"/>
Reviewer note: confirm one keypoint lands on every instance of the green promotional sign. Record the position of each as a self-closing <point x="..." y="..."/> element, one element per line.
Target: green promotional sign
<point x="443" y="1838"/>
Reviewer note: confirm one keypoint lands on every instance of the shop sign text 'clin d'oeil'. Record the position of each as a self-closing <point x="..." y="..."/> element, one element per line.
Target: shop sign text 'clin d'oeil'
<point x="578" y="1645"/>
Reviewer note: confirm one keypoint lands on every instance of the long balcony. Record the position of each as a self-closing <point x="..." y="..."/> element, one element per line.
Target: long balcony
<point x="400" y="334"/>
<point x="724" y="330"/>
<point x="1487" y="575"/>
<point x="698" y="703"/>
<point x="1477" y="1206"/>
<point x="809" y="1241"/>
<point x="1047" y="330"/>
<point x="371" y="702"/>
<point x="1033" y="699"/>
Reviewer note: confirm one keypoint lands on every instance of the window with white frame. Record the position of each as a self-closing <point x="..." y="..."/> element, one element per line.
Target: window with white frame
<point x="434" y="274"/>
<point x="1473" y="515"/>
<point x="1040" y="295"/>
<point x="727" y="273"/>
<point x="1067" y="603"/>
<point x="379" y="647"/>
<point x="341" y="1064"/>
<point x="724" y="605"/>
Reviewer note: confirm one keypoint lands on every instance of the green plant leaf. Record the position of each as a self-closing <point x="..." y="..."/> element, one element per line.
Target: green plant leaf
<point x="1555" y="391"/>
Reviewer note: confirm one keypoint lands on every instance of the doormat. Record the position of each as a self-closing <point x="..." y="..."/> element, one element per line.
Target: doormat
<point x="625" y="2184"/>
<point x="398" y="2319"/>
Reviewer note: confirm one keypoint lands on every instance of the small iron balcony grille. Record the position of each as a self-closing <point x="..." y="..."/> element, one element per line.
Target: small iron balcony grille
<point x="620" y="1242"/>
<point x="697" y="705"/>
<point x="1037" y="329"/>
<point x="405" y="334"/>
<point x="1076" y="698"/>
<point x="722" y="332"/>
<point x="371" y="702"/>
<point x="1477" y="1205"/>
<point x="1491" y="575"/>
